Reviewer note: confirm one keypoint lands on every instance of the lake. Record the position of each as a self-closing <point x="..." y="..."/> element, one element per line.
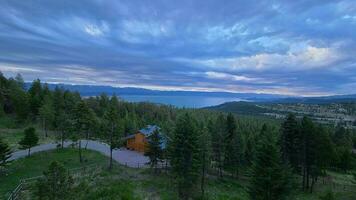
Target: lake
<point x="180" y="101"/>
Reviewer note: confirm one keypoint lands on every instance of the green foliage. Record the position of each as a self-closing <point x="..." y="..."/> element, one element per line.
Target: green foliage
<point x="329" y="195"/>
<point x="36" y="96"/>
<point x="30" y="139"/>
<point x="57" y="184"/>
<point x="290" y="142"/>
<point x="232" y="146"/>
<point x="5" y="153"/>
<point x="270" y="178"/>
<point x="184" y="156"/>
<point x="154" y="149"/>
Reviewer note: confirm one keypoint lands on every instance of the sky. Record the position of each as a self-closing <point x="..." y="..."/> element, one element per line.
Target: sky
<point x="301" y="47"/>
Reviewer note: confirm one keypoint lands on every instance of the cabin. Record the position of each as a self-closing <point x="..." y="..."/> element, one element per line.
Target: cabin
<point x="139" y="141"/>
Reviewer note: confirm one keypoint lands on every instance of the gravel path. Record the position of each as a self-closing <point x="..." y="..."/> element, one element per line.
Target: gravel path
<point x="122" y="156"/>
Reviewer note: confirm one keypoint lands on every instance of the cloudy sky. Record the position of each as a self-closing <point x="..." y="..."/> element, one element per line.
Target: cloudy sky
<point x="301" y="47"/>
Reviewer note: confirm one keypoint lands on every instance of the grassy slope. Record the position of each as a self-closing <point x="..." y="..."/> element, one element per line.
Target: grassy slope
<point x="37" y="163"/>
<point x="127" y="183"/>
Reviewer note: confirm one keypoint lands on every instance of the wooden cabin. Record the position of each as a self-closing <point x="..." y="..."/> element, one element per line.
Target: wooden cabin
<point x="139" y="141"/>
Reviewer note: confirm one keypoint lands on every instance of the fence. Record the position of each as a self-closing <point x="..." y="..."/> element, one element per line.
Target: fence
<point x="24" y="182"/>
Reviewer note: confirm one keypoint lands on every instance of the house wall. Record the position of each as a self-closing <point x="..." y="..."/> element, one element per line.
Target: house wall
<point x="138" y="143"/>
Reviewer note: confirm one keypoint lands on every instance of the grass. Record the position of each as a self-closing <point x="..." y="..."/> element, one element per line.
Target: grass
<point x="37" y="163"/>
<point x="135" y="184"/>
<point x="13" y="136"/>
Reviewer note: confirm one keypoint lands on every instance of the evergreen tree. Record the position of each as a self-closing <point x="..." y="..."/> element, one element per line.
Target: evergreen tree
<point x="57" y="184"/>
<point x="218" y="132"/>
<point x="111" y="117"/>
<point x="232" y="153"/>
<point x="5" y="153"/>
<point x="270" y="178"/>
<point x="290" y="142"/>
<point x="154" y="149"/>
<point x="83" y="119"/>
<point x="46" y="113"/>
<point x="30" y="139"/>
<point x="36" y="96"/>
<point x="184" y="155"/>
<point x="205" y="155"/>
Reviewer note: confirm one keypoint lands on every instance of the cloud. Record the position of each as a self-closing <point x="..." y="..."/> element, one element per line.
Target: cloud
<point x="308" y="58"/>
<point x="288" y="47"/>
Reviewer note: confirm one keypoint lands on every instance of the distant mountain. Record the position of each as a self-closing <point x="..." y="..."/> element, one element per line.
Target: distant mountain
<point x="317" y="100"/>
<point x="239" y="107"/>
<point x="91" y="90"/>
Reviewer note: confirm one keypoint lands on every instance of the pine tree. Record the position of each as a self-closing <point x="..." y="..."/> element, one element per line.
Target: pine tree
<point x="184" y="155"/>
<point x="111" y="116"/>
<point x="270" y="178"/>
<point x="83" y="121"/>
<point x="57" y="184"/>
<point x="205" y="155"/>
<point x="290" y="142"/>
<point x="232" y="153"/>
<point x="36" y="96"/>
<point x="154" y="149"/>
<point x="30" y="140"/>
<point x="218" y="132"/>
<point x="5" y="153"/>
<point x="46" y="113"/>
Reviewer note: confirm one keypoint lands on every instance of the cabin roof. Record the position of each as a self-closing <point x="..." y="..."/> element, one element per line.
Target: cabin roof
<point x="149" y="129"/>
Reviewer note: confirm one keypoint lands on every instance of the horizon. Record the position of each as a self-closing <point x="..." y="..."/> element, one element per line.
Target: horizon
<point x="295" y="49"/>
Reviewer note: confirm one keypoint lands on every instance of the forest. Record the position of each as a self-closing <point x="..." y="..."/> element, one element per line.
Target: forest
<point x="274" y="159"/>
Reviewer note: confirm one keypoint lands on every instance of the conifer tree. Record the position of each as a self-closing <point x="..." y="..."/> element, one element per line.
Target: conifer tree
<point x="46" y="113"/>
<point x="270" y="178"/>
<point x="231" y="153"/>
<point x="154" y="149"/>
<point x="83" y="121"/>
<point x="30" y="140"/>
<point x="56" y="184"/>
<point x="290" y="142"/>
<point x="218" y="132"/>
<point x="5" y="153"/>
<point x="184" y="155"/>
<point x="111" y="117"/>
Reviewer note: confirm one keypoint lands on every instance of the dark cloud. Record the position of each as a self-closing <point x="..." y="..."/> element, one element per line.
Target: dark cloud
<point x="290" y="47"/>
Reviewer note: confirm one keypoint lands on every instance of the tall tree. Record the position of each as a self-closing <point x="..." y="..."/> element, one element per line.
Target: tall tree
<point x="218" y="132"/>
<point x="82" y="120"/>
<point x="46" y="113"/>
<point x="205" y="155"/>
<point x="154" y="149"/>
<point x="5" y="153"/>
<point x="184" y="155"/>
<point x="36" y="96"/>
<point x="30" y="139"/>
<point x="270" y="178"/>
<point x="232" y="153"/>
<point x="112" y="118"/>
<point x="290" y="142"/>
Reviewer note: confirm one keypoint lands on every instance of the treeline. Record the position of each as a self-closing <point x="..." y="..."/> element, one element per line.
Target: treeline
<point x="272" y="155"/>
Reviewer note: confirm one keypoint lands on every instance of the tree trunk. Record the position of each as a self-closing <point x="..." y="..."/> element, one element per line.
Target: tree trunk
<point x="202" y="185"/>
<point x="111" y="145"/>
<point x="80" y="151"/>
<point x="303" y="184"/>
<point x="29" y="152"/>
<point x="308" y="174"/>
<point x="87" y="138"/>
<point x="45" y="128"/>
<point x="62" y="139"/>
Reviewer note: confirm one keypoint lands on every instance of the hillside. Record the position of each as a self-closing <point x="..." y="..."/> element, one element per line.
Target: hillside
<point x="240" y="107"/>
